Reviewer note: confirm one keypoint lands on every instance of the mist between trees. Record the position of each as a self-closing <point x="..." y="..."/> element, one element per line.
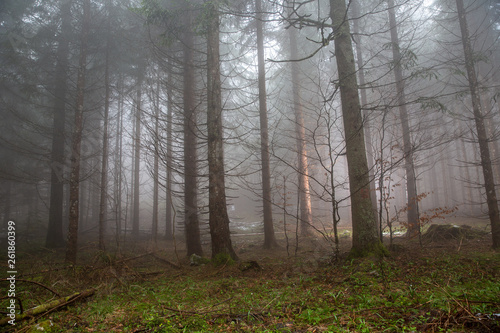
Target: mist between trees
<point x="200" y="121"/>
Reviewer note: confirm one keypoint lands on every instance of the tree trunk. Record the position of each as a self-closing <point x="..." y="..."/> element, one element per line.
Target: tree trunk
<point x="55" y="236"/>
<point x="118" y="165"/>
<point x="103" y="204"/>
<point x="411" y="182"/>
<point x="218" y="217"/>
<point x="154" y="227"/>
<point x="269" y="237"/>
<point x="486" y="164"/>
<point x="364" y="102"/>
<point x="364" y="227"/>
<point x="137" y="155"/>
<point x="191" y="220"/>
<point x="72" y="244"/>
<point x="168" y="186"/>
<point x="303" y="166"/>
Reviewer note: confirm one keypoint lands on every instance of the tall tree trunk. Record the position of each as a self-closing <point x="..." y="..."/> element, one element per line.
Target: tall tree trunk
<point x="364" y="102"/>
<point x="72" y="244"/>
<point x="137" y="155"/>
<point x="303" y="165"/>
<point x="103" y="204"/>
<point x="130" y="198"/>
<point x="218" y="217"/>
<point x="364" y="227"/>
<point x="55" y="236"/>
<point x="118" y="165"/>
<point x="269" y="237"/>
<point x="465" y="172"/>
<point x="411" y="182"/>
<point x="154" y="227"/>
<point x="84" y="199"/>
<point x="168" y="186"/>
<point x="191" y="220"/>
<point x="486" y="164"/>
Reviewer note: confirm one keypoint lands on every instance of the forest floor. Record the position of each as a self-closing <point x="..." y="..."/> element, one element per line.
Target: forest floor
<point x="441" y="285"/>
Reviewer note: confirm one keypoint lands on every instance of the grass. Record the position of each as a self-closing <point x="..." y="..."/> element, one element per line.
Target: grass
<point x="412" y="290"/>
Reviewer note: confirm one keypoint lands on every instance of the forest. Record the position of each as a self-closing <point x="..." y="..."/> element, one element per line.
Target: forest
<point x="249" y="165"/>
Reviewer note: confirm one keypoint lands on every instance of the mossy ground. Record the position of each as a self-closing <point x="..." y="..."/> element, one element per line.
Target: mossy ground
<point x="444" y="287"/>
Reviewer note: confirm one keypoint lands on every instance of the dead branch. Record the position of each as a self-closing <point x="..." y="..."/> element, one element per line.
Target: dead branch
<point x="50" y="306"/>
<point x="18" y="302"/>
<point x="41" y="285"/>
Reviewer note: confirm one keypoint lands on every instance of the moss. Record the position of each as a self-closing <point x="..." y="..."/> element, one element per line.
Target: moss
<point x="222" y="259"/>
<point x="443" y="232"/>
<point x="196" y="260"/>
<point x="43" y="326"/>
<point x="376" y="249"/>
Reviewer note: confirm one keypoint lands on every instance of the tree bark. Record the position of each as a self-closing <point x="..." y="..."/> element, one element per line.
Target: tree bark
<point x="55" y="236"/>
<point x="118" y="165"/>
<point x="191" y="220"/>
<point x="364" y="102"/>
<point x="154" y="227"/>
<point x="218" y="217"/>
<point x="303" y="165"/>
<point x="103" y="204"/>
<point x="269" y="237"/>
<point x="137" y="154"/>
<point x="168" y="186"/>
<point x="411" y="182"/>
<point x="486" y="164"/>
<point x="364" y="236"/>
<point x="72" y="244"/>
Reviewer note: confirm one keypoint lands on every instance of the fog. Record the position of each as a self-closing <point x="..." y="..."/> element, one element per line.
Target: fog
<point x="127" y="121"/>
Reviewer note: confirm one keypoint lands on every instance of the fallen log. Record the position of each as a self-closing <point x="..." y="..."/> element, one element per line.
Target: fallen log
<point x="47" y="307"/>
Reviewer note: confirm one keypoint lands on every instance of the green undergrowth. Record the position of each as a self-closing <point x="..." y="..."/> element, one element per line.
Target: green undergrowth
<point x="398" y="293"/>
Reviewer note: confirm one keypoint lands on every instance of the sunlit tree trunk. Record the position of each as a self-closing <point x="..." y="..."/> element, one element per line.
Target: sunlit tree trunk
<point x="486" y="164"/>
<point x="300" y="132"/>
<point x="218" y="217"/>
<point x="269" y="237"/>
<point x="72" y="244"/>
<point x="191" y="220"/>
<point x="364" y="227"/>
<point x="411" y="182"/>
<point x="55" y="236"/>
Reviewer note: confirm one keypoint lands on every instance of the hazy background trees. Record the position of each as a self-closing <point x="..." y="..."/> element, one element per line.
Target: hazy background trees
<point x="149" y="145"/>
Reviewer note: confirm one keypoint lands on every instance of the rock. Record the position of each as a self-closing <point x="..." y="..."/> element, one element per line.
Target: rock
<point x="196" y="260"/>
<point x="440" y="232"/>
<point x="43" y="326"/>
<point x="248" y="265"/>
